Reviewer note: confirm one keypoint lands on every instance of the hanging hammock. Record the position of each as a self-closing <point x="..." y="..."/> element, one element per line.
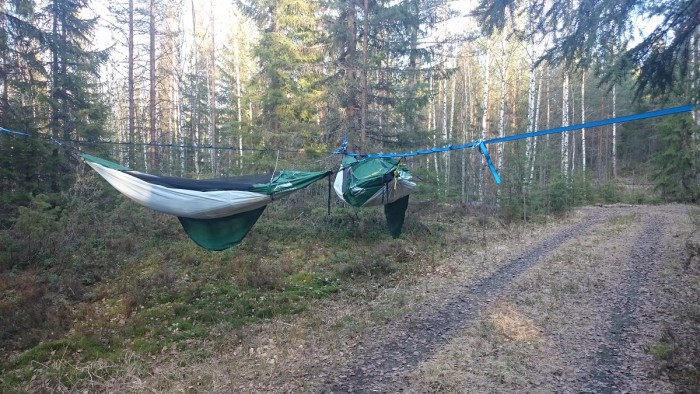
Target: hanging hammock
<point x="216" y="213"/>
<point x="380" y="181"/>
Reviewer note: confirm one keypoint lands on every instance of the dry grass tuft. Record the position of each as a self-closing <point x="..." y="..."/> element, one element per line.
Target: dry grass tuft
<point x="513" y="324"/>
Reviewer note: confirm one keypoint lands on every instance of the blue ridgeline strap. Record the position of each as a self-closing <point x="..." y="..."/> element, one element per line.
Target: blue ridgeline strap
<point x="597" y="123"/>
<point x="8" y="131"/>
<point x="485" y="152"/>
<point x="57" y="142"/>
<point x="343" y="146"/>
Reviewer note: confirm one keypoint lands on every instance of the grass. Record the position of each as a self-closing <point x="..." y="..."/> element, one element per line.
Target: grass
<point x="661" y="350"/>
<point x="677" y="350"/>
<point x="113" y="286"/>
<point x="110" y="281"/>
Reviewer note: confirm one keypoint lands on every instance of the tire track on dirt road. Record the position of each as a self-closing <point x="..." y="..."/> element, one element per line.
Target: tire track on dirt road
<point x="612" y="368"/>
<point x="387" y="353"/>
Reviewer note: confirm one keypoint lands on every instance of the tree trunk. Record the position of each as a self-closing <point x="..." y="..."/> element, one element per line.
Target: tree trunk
<point x="212" y="95"/>
<point x="152" y="77"/>
<point x="572" y="116"/>
<point x="195" y="92"/>
<point x="532" y="83"/>
<point x="534" y="128"/>
<point x="502" y="102"/>
<point x="614" y="133"/>
<point x="445" y="132"/>
<point x="564" y="123"/>
<point x="237" y="66"/>
<point x="54" y="73"/>
<point x="484" y="119"/>
<point x="450" y="132"/>
<point x="131" y="104"/>
<point x="433" y="108"/>
<point x="350" y="65"/>
<point x="365" y="42"/>
<point x="5" y="91"/>
<point x="694" y="75"/>
<point x="466" y="124"/>
<point x="583" y="120"/>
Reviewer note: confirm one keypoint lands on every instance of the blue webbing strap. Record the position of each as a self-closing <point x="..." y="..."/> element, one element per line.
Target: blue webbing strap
<point x="343" y="146"/>
<point x="485" y="152"/>
<point x="4" y="130"/>
<point x="597" y="123"/>
<point x="57" y="142"/>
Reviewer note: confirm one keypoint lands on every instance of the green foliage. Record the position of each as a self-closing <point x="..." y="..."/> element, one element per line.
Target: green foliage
<point x="561" y="195"/>
<point x="29" y="167"/>
<point x="592" y="33"/>
<point x="398" y="65"/>
<point x="88" y="275"/>
<point x="676" y="166"/>
<point x="76" y="107"/>
<point x="289" y="77"/>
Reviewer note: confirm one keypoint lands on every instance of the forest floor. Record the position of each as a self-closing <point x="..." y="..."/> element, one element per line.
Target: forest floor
<point x="604" y="300"/>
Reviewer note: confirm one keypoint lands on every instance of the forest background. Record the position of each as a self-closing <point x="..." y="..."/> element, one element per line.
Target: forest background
<point x="215" y="88"/>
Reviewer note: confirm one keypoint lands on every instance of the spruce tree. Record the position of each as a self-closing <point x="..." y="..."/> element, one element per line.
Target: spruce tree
<point x="289" y="80"/>
<point x="676" y="168"/>
<point x="76" y="108"/>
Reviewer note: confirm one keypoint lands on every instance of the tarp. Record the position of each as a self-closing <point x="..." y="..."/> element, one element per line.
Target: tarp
<point x="381" y="181"/>
<point x="215" y="213"/>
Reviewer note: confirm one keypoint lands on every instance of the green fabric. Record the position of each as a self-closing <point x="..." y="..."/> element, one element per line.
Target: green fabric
<point x="105" y="163"/>
<point x="221" y="233"/>
<point x="365" y="178"/>
<point x="395" y="214"/>
<point x="289" y="181"/>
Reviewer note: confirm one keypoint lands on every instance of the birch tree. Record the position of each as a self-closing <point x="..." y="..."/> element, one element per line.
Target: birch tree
<point x="583" y="120"/>
<point x="211" y="75"/>
<point x="485" y="116"/>
<point x="564" y="123"/>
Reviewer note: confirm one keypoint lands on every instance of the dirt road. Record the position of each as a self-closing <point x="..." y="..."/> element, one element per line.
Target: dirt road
<point x="577" y="312"/>
<point x="600" y="302"/>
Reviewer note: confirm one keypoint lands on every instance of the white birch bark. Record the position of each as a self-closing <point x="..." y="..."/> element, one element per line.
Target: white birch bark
<point x="530" y="108"/>
<point x="572" y="116"/>
<point x="212" y="94"/>
<point x="565" y="122"/>
<point x="468" y="128"/>
<point x="450" y="132"/>
<point x="693" y="72"/>
<point x="465" y="112"/>
<point x="433" y="125"/>
<point x="534" y="127"/>
<point x="614" y="132"/>
<point x="237" y="71"/>
<point x="583" y="120"/>
<point x="484" y="119"/>
<point x="195" y="127"/>
<point x="502" y="102"/>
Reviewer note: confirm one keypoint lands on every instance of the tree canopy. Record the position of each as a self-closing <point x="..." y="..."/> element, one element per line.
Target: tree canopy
<point x="650" y="38"/>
